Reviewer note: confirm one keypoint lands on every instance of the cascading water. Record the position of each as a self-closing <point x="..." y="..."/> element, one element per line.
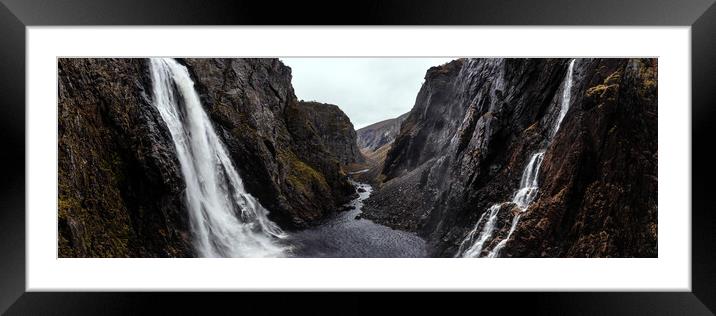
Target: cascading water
<point x="528" y="183"/>
<point x="473" y="244"/>
<point x="225" y="220"/>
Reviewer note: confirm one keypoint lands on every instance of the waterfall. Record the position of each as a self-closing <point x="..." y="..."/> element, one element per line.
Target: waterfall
<point x="225" y="220"/>
<point x="472" y="245"/>
<point x="528" y="183"/>
<point x="566" y="96"/>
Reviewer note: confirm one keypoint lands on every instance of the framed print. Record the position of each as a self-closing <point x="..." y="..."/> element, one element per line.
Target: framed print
<point x="462" y="147"/>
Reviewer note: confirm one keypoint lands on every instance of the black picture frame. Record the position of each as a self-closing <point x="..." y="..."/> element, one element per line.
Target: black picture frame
<point x="16" y="15"/>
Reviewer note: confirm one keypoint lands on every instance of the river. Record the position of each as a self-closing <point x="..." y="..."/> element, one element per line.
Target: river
<point x="344" y="236"/>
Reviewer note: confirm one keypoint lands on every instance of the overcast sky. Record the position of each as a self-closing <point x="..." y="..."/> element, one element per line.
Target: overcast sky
<point x="368" y="90"/>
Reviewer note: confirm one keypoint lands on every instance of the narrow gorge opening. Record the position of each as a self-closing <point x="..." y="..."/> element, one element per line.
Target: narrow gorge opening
<point x="227" y="221"/>
<point x="357" y="157"/>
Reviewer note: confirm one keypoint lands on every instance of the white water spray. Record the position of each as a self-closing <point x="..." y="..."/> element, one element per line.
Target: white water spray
<point x="225" y="220"/>
<point x="566" y="96"/>
<point x="472" y="246"/>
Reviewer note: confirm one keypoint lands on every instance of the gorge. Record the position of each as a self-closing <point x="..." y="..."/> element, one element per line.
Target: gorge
<point x="217" y="157"/>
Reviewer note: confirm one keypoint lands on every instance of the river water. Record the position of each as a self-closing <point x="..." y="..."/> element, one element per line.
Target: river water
<point x="227" y="221"/>
<point x="344" y="236"/>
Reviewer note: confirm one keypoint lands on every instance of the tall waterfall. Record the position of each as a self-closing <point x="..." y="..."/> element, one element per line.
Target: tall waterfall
<point x="225" y="220"/>
<point x="475" y="241"/>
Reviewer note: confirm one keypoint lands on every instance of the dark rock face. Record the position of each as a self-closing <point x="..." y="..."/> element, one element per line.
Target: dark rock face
<point x="119" y="183"/>
<point x="376" y="135"/>
<point x="279" y="153"/>
<point x="462" y="148"/>
<point x="475" y="124"/>
<point x="335" y="129"/>
<point x="600" y="199"/>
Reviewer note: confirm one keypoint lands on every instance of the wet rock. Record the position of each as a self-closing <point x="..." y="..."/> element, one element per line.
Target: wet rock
<point x="600" y="200"/>
<point x="282" y="158"/>
<point x="476" y="122"/>
<point x="120" y="185"/>
<point x="346" y="208"/>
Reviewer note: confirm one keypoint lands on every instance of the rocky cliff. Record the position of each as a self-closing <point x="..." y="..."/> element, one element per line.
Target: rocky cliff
<point x="377" y="135"/>
<point x="335" y="129"/>
<point x="120" y="186"/>
<point x="119" y="182"/>
<point x="476" y="122"/>
<point x="279" y="153"/>
<point x="462" y="148"/>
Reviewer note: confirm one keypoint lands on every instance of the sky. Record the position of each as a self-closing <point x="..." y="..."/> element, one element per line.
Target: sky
<point x="368" y="90"/>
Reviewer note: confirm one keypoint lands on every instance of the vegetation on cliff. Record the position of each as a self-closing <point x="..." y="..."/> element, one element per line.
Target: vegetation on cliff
<point x="476" y="121"/>
<point x="335" y="129"/>
<point x="119" y="185"/>
<point x="120" y="189"/>
<point x="435" y="170"/>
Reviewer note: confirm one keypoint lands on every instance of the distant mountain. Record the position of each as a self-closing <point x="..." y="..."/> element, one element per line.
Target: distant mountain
<point x="375" y="141"/>
<point x="376" y="135"/>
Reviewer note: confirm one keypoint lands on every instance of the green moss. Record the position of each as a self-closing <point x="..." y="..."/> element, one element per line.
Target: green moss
<point x="64" y="247"/>
<point x="611" y="130"/>
<point x="90" y="198"/>
<point x="66" y="205"/>
<point x="112" y="166"/>
<point x="614" y="78"/>
<point x="301" y="176"/>
<point x="606" y="91"/>
<point x="648" y="75"/>
<point x="601" y="90"/>
<point x="94" y="220"/>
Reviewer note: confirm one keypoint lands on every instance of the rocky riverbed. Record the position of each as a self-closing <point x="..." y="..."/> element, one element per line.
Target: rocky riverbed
<point x="348" y="235"/>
